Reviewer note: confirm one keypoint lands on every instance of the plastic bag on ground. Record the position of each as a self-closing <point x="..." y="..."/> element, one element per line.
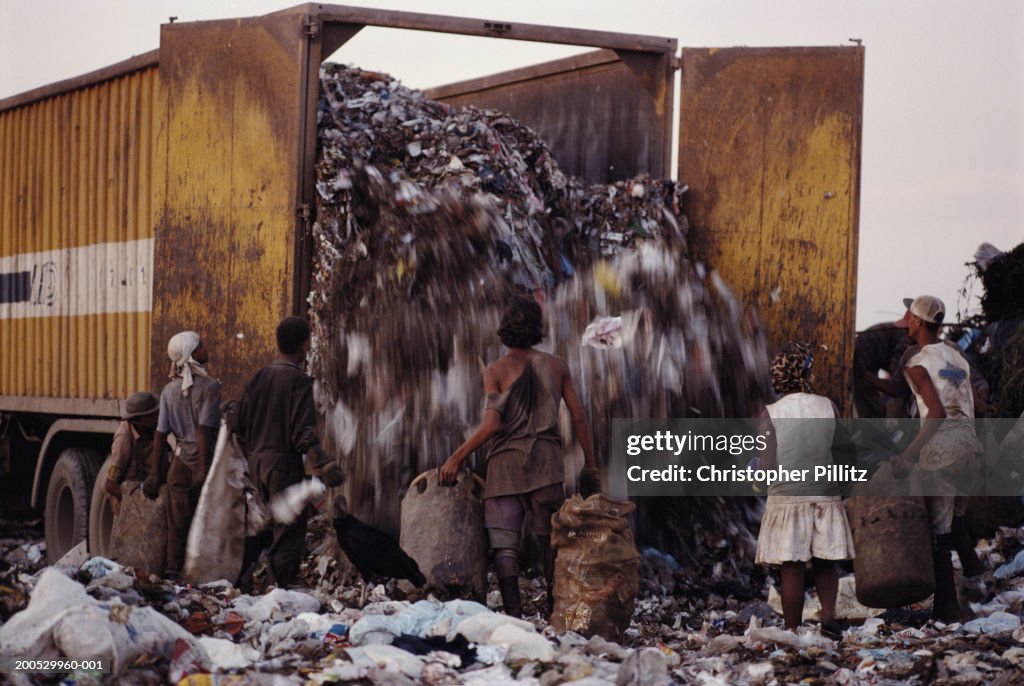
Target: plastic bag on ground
<point x="423" y="618"/>
<point x="596" y="567"/>
<point x="61" y="619"/>
<point x="522" y="645"/>
<point x="480" y="627"/>
<point x="277" y="605"/>
<point x="996" y="623"/>
<point x="388" y="658"/>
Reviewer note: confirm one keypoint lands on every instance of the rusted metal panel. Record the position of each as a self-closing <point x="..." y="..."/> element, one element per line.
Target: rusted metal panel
<point x="605" y="118"/>
<point x="490" y="28"/>
<point x="770" y="144"/>
<point x="77" y="174"/>
<point x="141" y="62"/>
<point x="225" y="241"/>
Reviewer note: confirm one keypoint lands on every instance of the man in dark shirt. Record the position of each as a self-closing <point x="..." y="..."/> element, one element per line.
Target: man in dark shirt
<point x="878" y="347"/>
<point x="133" y="445"/>
<point x="276" y="420"/>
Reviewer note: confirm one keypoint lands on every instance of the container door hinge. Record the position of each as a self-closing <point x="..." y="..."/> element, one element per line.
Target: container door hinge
<point x="304" y="211"/>
<point x="312" y="28"/>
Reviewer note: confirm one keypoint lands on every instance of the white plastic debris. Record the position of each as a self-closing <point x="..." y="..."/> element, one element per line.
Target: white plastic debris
<point x="799" y="639"/>
<point x="387" y="658"/>
<point x="61" y="619"/>
<point x="522" y="645"/>
<point x="72" y="559"/>
<point x="279" y="604"/>
<point x="996" y="623"/>
<point x="225" y="654"/>
<point x="290" y="503"/>
<point x="1012" y="568"/>
<point x="480" y="627"/>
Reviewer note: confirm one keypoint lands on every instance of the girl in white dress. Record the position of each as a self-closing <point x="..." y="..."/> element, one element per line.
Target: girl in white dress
<point x="804" y="522"/>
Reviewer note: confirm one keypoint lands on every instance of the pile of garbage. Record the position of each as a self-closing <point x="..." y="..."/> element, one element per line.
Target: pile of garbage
<point x="428" y="218"/>
<point x="153" y="631"/>
<point x="994" y="340"/>
<point x="21" y="555"/>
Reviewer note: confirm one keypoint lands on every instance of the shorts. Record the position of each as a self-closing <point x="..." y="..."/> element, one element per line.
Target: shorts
<point x="509" y="511"/>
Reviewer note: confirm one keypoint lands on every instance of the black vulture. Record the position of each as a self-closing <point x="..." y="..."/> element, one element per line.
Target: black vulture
<point x="373" y="552"/>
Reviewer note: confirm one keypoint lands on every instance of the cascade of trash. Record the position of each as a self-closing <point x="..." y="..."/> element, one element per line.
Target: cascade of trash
<point x="428" y="219"/>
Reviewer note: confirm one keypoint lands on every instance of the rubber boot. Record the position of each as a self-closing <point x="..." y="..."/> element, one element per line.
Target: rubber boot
<point x="945" y="606"/>
<point x="510" y="599"/>
<point x="964" y="546"/>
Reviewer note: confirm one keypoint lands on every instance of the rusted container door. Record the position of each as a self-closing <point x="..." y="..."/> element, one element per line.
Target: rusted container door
<point x="226" y="238"/>
<point x="770" y="144"/>
<point x="605" y="115"/>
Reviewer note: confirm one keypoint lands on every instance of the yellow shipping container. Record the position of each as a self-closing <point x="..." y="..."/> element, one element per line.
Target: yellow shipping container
<point x="79" y="188"/>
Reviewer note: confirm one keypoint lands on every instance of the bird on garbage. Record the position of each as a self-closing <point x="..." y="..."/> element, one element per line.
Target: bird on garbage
<point x="373" y="552"/>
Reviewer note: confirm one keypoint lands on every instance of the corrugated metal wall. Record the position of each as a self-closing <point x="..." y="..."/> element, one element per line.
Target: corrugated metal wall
<point x="79" y="187"/>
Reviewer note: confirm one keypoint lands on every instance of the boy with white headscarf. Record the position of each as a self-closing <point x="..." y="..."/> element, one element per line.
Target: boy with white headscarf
<point x="189" y="409"/>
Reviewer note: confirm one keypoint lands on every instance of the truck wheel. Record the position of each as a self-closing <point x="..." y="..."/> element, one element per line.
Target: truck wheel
<point x="101" y="515"/>
<point x="67" y="501"/>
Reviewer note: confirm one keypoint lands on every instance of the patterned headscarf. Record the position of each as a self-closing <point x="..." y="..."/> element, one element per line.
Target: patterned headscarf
<point x="791" y="368"/>
<point x="180" y="349"/>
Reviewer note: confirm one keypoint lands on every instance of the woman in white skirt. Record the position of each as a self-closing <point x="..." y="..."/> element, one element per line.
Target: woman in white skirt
<point x="804" y="521"/>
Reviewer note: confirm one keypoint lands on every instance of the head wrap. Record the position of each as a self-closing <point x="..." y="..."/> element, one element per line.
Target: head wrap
<point x="180" y="349"/>
<point x="791" y="368"/>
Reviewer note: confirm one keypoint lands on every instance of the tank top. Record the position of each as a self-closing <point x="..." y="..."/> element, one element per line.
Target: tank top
<point x="526" y="454"/>
<point x="950" y="374"/>
<point x="802" y="444"/>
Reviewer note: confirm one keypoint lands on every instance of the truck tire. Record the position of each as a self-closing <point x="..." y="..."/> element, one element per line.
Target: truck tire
<point x="67" y="501"/>
<point x="101" y="515"/>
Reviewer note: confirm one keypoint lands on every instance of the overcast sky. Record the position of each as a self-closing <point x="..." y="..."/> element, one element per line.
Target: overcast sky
<point x="943" y="147"/>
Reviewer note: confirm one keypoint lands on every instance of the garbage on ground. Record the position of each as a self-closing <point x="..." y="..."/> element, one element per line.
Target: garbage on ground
<point x="160" y="632"/>
<point x="848" y="608"/>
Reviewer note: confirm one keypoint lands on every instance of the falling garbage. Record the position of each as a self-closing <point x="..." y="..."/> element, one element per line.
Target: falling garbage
<point x="427" y="214"/>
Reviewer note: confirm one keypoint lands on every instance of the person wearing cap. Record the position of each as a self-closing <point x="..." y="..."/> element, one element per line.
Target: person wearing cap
<point x="133" y="444"/>
<point x="276" y="422"/>
<point x="945" y="447"/>
<point x="190" y="409"/>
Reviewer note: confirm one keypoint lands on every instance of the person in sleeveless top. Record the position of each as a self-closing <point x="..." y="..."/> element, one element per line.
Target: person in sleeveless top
<point x="945" y="447"/>
<point x="803" y="522"/>
<point x="525" y="462"/>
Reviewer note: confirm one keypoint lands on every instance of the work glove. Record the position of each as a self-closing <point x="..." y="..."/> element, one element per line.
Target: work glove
<point x="590" y="482"/>
<point x="151" y="486"/>
<point x="332" y="475"/>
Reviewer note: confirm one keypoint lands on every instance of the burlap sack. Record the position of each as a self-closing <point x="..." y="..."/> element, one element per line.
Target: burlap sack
<point x="596" y="567"/>
<point x="139" y="535"/>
